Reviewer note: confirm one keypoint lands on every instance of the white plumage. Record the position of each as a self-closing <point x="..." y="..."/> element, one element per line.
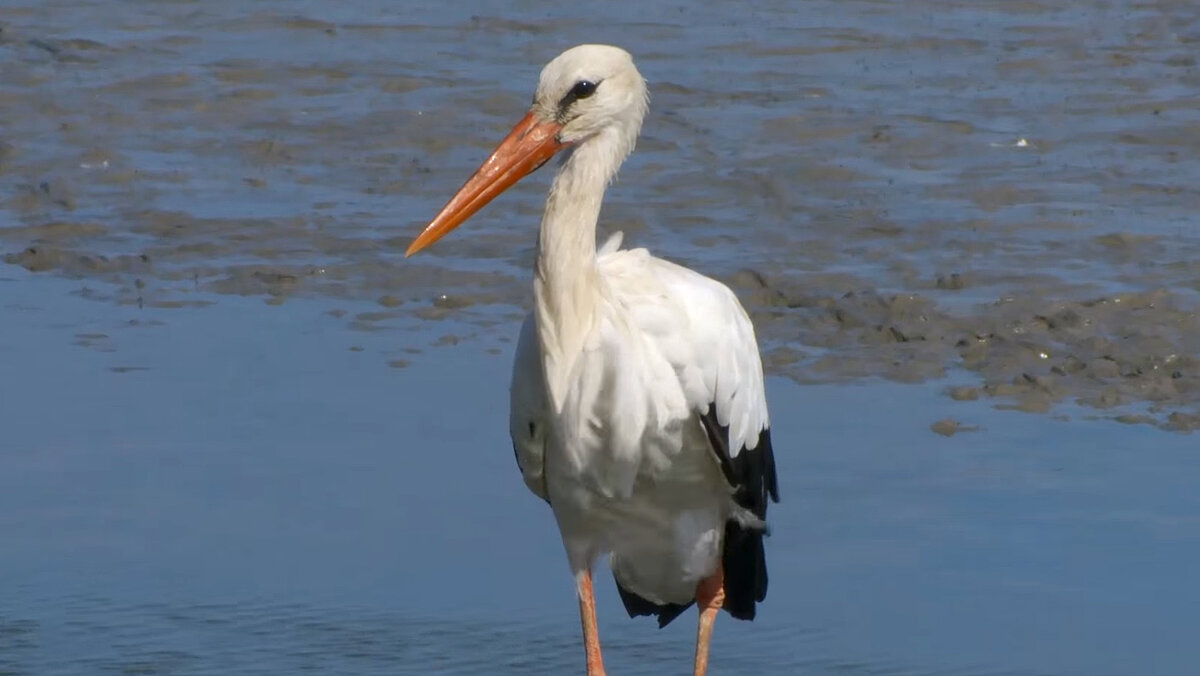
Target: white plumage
<point x="638" y="409"/>
<point x="623" y="457"/>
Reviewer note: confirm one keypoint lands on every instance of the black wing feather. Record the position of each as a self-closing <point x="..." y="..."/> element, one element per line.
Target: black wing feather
<point x="751" y="474"/>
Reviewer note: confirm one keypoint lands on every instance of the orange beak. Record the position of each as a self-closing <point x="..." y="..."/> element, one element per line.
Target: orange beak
<point x="528" y="146"/>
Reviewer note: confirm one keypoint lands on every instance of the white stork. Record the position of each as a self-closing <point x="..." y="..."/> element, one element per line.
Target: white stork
<point x="638" y="410"/>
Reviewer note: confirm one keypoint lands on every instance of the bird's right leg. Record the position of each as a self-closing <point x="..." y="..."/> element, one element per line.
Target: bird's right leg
<point x="710" y="596"/>
<point x="587" y="616"/>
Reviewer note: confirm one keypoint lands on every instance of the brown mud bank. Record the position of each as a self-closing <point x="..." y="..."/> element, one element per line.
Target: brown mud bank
<point x="1131" y="356"/>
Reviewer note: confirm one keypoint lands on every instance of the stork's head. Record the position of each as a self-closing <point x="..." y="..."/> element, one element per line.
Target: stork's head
<point x="591" y="89"/>
<point x="590" y="94"/>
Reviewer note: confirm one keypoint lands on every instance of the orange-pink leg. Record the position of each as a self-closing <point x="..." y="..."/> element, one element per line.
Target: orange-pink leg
<point x="587" y="616"/>
<point x="710" y="596"/>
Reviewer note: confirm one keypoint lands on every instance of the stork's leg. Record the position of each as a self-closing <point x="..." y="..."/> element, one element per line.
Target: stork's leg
<point x="587" y="616"/>
<point x="710" y="595"/>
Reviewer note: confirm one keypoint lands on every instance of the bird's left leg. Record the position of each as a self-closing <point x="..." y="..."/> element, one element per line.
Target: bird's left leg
<point x="587" y="617"/>
<point x="710" y="596"/>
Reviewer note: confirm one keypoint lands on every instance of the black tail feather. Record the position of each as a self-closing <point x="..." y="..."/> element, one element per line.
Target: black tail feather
<point x="637" y="606"/>
<point x="745" y="563"/>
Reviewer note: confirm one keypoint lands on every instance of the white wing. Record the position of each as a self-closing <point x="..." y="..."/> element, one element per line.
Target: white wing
<point x="699" y="327"/>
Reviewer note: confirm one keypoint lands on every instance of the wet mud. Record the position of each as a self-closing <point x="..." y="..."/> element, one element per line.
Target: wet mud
<point x="1002" y="195"/>
<point x="1131" y="356"/>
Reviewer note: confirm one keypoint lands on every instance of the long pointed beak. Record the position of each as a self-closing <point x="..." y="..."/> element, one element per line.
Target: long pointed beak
<point x="528" y="146"/>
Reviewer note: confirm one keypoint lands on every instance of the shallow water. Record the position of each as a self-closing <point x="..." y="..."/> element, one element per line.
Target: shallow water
<point x="235" y="490"/>
<point x="231" y="412"/>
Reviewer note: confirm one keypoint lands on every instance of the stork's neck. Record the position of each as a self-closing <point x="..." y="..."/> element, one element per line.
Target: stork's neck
<point x="566" y="281"/>
<point x="567" y="285"/>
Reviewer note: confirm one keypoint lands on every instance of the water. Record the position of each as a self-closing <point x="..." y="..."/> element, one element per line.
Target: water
<point x="241" y="435"/>
<point x="262" y="499"/>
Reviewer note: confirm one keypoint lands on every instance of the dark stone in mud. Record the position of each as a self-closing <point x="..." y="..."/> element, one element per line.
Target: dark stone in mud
<point x="948" y="427"/>
<point x="964" y="393"/>
<point x="945" y="427"/>
<point x="1183" y="422"/>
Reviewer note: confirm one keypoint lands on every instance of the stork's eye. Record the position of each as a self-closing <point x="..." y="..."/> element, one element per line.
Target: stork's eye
<point x="583" y="89"/>
<point x="580" y="90"/>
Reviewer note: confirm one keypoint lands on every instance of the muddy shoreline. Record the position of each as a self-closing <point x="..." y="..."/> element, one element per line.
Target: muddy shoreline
<point x="1130" y="356"/>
